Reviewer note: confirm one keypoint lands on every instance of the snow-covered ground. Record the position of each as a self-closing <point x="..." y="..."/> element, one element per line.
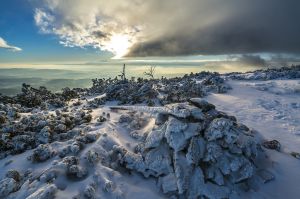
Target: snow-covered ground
<point x="273" y="109"/>
<point x="108" y="183"/>
<point x="101" y="157"/>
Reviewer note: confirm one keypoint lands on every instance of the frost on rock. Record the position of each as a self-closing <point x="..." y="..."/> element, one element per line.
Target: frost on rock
<point x="196" y="150"/>
<point x="168" y="183"/>
<point x="158" y="160"/>
<point x="213" y="151"/>
<point x="196" y="183"/>
<point x="218" y="128"/>
<point x="175" y="134"/>
<point x="154" y="138"/>
<point x="202" y="155"/>
<point x="155" y="162"/>
<point x="182" y="171"/>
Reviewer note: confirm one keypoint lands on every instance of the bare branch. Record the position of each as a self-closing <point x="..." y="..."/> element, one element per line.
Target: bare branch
<point x="151" y="72"/>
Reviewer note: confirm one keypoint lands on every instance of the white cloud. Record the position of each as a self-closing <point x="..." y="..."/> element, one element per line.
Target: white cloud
<point x="3" y="44"/>
<point x="81" y="24"/>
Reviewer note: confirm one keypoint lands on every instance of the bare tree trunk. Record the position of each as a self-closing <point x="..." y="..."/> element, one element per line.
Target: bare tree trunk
<point x="124" y="76"/>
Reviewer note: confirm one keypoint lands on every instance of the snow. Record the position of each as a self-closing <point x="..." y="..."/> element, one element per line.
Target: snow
<point x="271" y="108"/>
<point x="274" y="116"/>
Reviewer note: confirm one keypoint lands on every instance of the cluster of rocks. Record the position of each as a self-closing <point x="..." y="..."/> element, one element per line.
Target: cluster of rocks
<point x="292" y="72"/>
<point x="24" y="131"/>
<point x="195" y="151"/>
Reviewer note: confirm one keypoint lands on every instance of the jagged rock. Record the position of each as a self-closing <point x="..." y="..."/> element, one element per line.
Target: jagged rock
<point x="224" y="164"/>
<point x="154" y="138"/>
<point x="295" y="155"/>
<point x="273" y="144"/>
<point x="182" y="171"/>
<point x="180" y="110"/>
<point x="196" y="150"/>
<point x="175" y="133"/>
<point x="158" y="160"/>
<point x="193" y="129"/>
<point x="221" y="127"/>
<point x="161" y="118"/>
<point x="135" y="162"/>
<point x="196" y="184"/>
<point x="168" y="183"/>
<point x="248" y="145"/>
<point x="245" y="172"/>
<point x="197" y="113"/>
<point x="202" y="104"/>
<point x="213" y="151"/>
<point x="213" y="191"/>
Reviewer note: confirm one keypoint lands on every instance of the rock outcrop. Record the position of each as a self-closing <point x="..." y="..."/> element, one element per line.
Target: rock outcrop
<point x="196" y="151"/>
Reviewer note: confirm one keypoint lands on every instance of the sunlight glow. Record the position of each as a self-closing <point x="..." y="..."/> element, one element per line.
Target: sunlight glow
<point x="119" y="45"/>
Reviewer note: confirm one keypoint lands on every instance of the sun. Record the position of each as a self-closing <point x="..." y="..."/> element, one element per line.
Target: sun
<point x="119" y="45"/>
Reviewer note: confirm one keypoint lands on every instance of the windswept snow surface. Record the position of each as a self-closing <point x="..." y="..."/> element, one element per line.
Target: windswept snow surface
<point x="272" y="108"/>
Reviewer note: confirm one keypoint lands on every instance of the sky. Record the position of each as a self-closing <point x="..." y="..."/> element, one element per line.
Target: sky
<point x="18" y="29"/>
<point x="250" y="31"/>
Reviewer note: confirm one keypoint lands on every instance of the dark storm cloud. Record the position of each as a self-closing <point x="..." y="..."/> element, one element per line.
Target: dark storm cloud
<point x="249" y="26"/>
<point x="252" y="60"/>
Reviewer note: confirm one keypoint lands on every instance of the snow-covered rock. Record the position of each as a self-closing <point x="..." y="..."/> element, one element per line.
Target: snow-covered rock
<point x="206" y="157"/>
